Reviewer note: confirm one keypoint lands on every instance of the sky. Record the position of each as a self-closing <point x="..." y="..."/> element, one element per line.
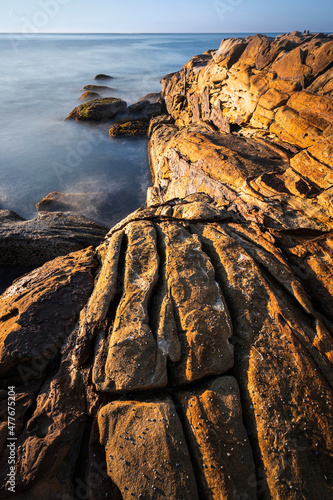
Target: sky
<point x="165" y="16"/>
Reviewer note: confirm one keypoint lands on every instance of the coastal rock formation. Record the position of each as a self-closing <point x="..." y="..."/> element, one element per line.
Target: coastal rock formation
<point x="137" y="117"/>
<point x="218" y="366"/>
<point x="251" y="124"/>
<point x="193" y="348"/>
<point x="98" y="110"/>
<point x="34" y="242"/>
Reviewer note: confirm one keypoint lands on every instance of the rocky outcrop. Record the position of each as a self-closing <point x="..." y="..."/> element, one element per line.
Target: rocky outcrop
<point x="193" y="347"/>
<point x="198" y="368"/>
<point x="98" y="110"/>
<point x="251" y="81"/>
<point x="34" y="242"/>
<point x="248" y="124"/>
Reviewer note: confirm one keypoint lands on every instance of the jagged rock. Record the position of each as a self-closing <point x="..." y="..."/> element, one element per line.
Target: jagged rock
<point x="249" y="173"/>
<point x="89" y="96"/>
<point x="35" y="241"/>
<point x="98" y="110"/>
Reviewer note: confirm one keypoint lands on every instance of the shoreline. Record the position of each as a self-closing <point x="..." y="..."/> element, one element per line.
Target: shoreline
<point x="191" y="351"/>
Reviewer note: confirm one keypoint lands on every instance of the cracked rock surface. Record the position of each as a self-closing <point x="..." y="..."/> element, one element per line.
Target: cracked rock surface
<point x="190" y="355"/>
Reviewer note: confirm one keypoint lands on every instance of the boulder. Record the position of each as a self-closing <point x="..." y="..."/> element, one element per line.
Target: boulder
<point x="34" y="242"/>
<point x="98" y="110"/>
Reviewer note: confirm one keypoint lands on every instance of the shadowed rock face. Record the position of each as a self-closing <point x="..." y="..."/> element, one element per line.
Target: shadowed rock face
<point x="34" y="242"/>
<point x="194" y="346"/>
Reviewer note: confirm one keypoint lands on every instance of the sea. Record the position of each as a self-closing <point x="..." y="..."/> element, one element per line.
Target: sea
<point x="42" y="77"/>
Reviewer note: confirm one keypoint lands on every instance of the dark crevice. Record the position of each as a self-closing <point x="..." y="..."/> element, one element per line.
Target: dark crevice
<point x="158" y="291"/>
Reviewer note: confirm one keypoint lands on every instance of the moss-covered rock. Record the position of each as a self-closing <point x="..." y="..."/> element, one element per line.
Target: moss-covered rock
<point x="132" y="128"/>
<point x="98" y="110"/>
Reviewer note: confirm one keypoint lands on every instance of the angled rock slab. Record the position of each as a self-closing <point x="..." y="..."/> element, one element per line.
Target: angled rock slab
<point x="282" y="362"/>
<point x="218" y="441"/>
<point x="203" y="322"/>
<point x="36" y="241"/>
<point x="39" y="311"/>
<point x="146" y="451"/>
<point x="133" y="358"/>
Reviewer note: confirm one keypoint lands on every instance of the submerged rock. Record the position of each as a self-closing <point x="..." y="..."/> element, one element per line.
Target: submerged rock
<point x="98" y="110"/>
<point x="98" y="88"/>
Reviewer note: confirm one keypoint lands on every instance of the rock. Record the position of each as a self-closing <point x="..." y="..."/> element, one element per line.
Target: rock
<point x="89" y="96"/>
<point x="34" y="242"/>
<point x="229" y="83"/>
<point x="213" y="421"/>
<point x="182" y="290"/>
<point x="102" y="76"/>
<point x="130" y="431"/>
<point x="249" y="173"/>
<point x="89" y="205"/>
<point x="98" y="88"/>
<point x="32" y="328"/>
<point x="193" y="347"/>
<point x="148" y="106"/>
<point x="131" y="128"/>
<point x="98" y="110"/>
<point x="137" y="118"/>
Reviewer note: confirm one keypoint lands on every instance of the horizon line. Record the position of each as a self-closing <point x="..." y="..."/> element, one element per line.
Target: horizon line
<point x="154" y="33"/>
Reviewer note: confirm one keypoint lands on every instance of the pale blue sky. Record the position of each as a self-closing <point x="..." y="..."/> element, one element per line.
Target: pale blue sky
<point x="164" y="16"/>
